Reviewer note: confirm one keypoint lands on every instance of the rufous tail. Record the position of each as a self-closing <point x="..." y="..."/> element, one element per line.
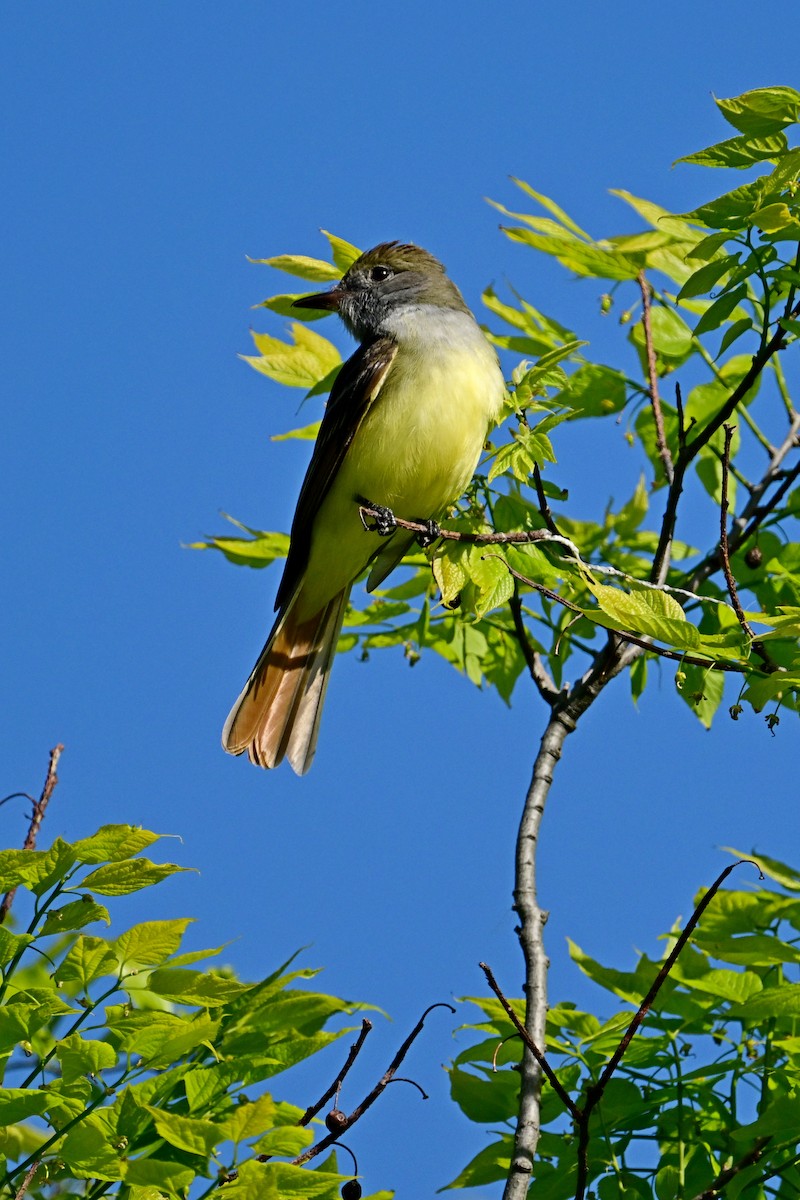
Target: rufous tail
<point x="278" y="713"/>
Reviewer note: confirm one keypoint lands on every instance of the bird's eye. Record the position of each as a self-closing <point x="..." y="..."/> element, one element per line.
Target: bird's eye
<point x="378" y="274"/>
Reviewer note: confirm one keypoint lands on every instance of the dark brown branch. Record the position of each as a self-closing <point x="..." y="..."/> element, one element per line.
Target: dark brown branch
<point x="536" y="668"/>
<point x="333" y="1090"/>
<point x="652" y="371"/>
<point x="372" y="1096"/>
<point x="666" y="967"/>
<point x="37" y="817"/>
<point x="544" y="507"/>
<point x="724" y="1177"/>
<point x="758" y="646"/>
<point x="690" y="449"/>
<point x="538" y="1054"/>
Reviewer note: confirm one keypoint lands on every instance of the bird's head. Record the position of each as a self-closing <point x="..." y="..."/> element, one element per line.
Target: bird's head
<point x="383" y="282"/>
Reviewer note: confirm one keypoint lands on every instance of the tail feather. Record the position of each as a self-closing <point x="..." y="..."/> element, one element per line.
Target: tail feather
<point x="278" y="713"/>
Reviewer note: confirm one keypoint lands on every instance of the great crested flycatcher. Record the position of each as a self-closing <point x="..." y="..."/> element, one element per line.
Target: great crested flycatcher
<point x="404" y="426"/>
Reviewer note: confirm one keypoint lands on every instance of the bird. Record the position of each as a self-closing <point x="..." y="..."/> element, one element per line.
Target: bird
<point x="404" y="426"/>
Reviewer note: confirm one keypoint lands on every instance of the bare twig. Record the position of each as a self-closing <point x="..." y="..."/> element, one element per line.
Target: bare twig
<point x="544" y="507"/>
<point x="333" y="1090"/>
<point x="723" y="536"/>
<point x="16" y="796"/>
<point x="26" y="1182"/>
<point x="541" y="677"/>
<point x="652" y="371"/>
<point x="372" y="1096"/>
<point x="758" y="646"/>
<point x="538" y="1054"/>
<point x="37" y="817"/>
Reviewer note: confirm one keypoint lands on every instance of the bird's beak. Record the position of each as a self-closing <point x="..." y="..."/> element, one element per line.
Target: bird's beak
<point x="322" y="301"/>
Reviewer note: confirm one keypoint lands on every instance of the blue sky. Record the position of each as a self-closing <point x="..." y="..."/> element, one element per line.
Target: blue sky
<point x="150" y="148"/>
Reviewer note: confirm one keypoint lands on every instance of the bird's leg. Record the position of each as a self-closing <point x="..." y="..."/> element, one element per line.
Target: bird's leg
<point x="432" y="532"/>
<point x="383" y="523"/>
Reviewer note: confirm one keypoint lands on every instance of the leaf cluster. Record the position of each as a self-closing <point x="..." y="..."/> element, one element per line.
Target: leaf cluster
<point x="711" y="1082"/>
<point x="129" y="1069"/>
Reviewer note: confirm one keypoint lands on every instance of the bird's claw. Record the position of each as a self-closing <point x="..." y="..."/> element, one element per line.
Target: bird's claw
<point x="383" y="519"/>
<point x="432" y="532"/>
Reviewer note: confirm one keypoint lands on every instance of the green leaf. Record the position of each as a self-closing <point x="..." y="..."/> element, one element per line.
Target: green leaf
<point x="703" y="280"/>
<point x="151" y="942"/>
<point x="21" y="867"/>
<point x="493" y="1097"/>
<point x="720" y="310"/>
<point x="308" y="433"/>
<point x="739" y="152"/>
<point x="120" y="879"/>
<point x="160" y="1174"/>
<point x="490" y="1166"/>
<point x="256" y="551"/>
<point x="733" y="333"/>
<point x="74" y="916"/>
<point x="88" y="959"/>
<point x="88" y="1152"/>
<point x="286" y="1142"/>
<point x="783" y="1001"/>
<point x="186" y="1133"/>
<point x="302" y="364"/>
<point x="194" y="987"/>
<point x="17" y="1104"/>
<point x="594" y="391"/>
<point x="762" y="111"/>
<point x="672" y="337"/>
<point x="11" y="944"/>
<point x="702" y="689"/>
<point x="249" y="1119"/>
<point x="561" y="217"/>
<point x="280" y="1181"/>
<point x="79" y="1056"/>
<point x="344" y="253"/>
<point x="303" y="267"/>
<point x="112" y="843"/>
<point x="649" y="613"/>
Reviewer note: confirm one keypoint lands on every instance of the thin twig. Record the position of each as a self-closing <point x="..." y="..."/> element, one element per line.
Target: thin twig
<point x="372" y="1096"/>
<point x="723" y="547"/>
<point x="333" y="1090"/>
<point x="652" y="371"/>
<point x="544" y="507"/>
<point x="15" y="796"/>
<point x="26" y="1182"/>
<point x="37" y="817"/>
<point x="538" y="1054"/>
<point x="541" y="677"/>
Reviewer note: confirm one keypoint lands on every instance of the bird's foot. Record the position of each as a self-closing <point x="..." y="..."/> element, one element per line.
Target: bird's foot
<point x="432" y="532"/>
<point x="383" y="519"/>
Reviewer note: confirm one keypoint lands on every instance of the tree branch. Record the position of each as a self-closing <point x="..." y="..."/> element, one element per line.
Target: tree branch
<point x="37" y="817"/>
<point x="652" y="371"/>
<point x="333" y="1090"/>
<point x="347" y="1120"/>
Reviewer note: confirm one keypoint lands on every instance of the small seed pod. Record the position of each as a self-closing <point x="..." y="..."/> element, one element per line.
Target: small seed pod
<point x="336" y="1121"/>
<point x="754" y="557"/>
<point x="351" y="1190"/>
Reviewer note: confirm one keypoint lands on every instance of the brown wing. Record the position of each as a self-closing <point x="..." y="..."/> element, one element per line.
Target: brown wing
<point x="353" y="394"/>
